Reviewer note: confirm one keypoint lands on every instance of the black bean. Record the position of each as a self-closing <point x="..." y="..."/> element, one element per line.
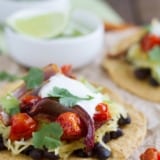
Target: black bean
<point x="81" y="153"/>
<point x="36" y="154"/>
<point x="50" y="155"/>
<point x="142" y="73"/>
<point x="2" y="146"/>
<point x="101" y="152"/>
<point x="116" y="134"/>
<point x="153" y="82"/>
<point x="106" y="137"/>
<point x="1" y="139"/>
<point x="123" y="121"/>
<point x="28" y="150"/>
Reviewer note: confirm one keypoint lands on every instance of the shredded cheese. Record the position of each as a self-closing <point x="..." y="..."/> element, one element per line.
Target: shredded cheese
<point x="4" y="130"/>
<point x="66" y="149"/>
<point x="17" y="147"/>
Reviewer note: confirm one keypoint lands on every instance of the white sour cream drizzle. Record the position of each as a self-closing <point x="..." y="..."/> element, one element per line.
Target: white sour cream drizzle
<point x="75" y="87"/>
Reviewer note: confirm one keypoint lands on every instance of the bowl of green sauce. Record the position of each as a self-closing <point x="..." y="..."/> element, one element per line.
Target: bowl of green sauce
<point x="37" y="37"/>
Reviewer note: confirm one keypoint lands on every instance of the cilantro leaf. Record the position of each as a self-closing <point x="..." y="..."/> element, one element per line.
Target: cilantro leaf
<point x="154" y="54"/>
<point x="68" y="101"/>
<point x="65" y="97"/>
<point x="10" y="104"/>
<point x="34" y="78"/>
<point x="4" y="76"/>
<point x="48" y="136"/>
<point x="147" y="27"/>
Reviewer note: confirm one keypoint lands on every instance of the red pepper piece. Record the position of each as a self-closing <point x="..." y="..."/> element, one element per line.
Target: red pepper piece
<point x="101" y="107"/>
<point x="149" y="41"/>
<point x="102" y="113"/>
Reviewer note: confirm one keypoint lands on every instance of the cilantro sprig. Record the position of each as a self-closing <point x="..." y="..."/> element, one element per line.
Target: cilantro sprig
<point x="5" y="76"/>
<point x="48" y="136"/>
<point x="10" y="104"/>
<point x="33" y="79"/>
<point x="65" y="97"/>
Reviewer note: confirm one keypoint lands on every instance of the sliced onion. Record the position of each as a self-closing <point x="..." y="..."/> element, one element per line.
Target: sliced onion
<point x="89" y="126"/>
<point x="5" y="118"/>
<point x="48" y="106"/>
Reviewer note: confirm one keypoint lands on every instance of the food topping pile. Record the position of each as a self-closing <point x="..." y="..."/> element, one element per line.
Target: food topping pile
<point x="54" y="115"/>
<point x="145" y="55"/>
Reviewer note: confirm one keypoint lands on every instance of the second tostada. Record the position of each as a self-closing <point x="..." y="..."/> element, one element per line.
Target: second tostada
<point x="134" y="62"/>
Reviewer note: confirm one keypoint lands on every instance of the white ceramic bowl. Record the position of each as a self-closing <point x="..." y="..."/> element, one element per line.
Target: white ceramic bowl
<point x="77" y="51"/>
<point x="8" y="7"/>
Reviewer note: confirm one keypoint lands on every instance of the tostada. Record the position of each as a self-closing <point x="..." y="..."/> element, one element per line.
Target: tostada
<point x="53" y="115"/>
<point x="134" y="62"/>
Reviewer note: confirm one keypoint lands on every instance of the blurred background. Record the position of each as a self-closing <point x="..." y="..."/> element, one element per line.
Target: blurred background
<point x="136" y="11"/>
<point x="112" y="14"/>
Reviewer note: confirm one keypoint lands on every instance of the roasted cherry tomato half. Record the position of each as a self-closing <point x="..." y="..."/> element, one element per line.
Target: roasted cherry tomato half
<point x="22" y="126"/>
<point x="149" y="41"/>
<point x="150" y="154"/>
<point x="67" y="70"/>
<point x="101" y="117"/>
<point x="101" y="107"/>
<point x="71" y="124"/>
<point x="158" y="155"/>
<point x="102" y="113"/>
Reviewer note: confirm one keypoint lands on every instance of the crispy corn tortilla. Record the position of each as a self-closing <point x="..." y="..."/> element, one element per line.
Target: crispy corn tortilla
<point x="122" y="74"/>
<point x="121" y="148"/>
<point x="123" y="40"/>
<point x="117" y="27"/>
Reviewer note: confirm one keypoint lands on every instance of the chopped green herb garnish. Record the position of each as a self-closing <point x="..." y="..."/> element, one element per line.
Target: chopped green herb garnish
<point x="34" y="78"/>
<point x="4" y="76"/>
<point x="65" y="97"/>
<point x="48" y="136"/>
<point x="154" y="54"/>
<point x="147" y="27"/>
<point x="10" y="104"/>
